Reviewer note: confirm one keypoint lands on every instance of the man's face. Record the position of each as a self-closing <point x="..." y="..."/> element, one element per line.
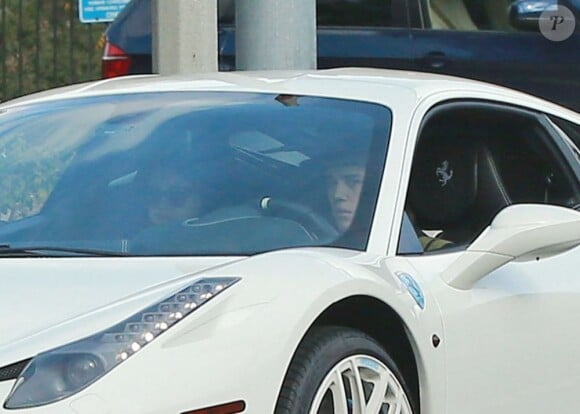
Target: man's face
<point x="344" y="188"/>
<point x="172" y="198"/>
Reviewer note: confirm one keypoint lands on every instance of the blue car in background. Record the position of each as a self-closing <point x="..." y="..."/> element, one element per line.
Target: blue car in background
<point x="497" y="41"/>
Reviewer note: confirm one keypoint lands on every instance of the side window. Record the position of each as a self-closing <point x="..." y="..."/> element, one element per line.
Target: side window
<point x="355" y="13"/>
<point x="226" y="11"/>
<point x="378" y="13"/>
<point x="472" y="15"/>
<point x="471" y="161"/>
<point x="570" y="129"/>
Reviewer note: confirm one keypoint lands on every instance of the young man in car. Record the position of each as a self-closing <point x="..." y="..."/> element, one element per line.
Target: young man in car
<point x="345" y="179"/>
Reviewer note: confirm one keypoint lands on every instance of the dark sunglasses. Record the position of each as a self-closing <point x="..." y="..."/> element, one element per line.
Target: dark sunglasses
<point x="175" y="196"/>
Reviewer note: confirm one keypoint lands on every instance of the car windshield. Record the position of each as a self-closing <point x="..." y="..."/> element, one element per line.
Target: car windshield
<point x="189" y="173"/>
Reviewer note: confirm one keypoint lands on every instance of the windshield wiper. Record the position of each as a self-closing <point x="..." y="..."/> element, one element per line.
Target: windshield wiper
<point x="52" y="251"/>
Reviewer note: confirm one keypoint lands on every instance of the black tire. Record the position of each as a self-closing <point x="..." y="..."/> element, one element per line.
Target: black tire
<point x="320" y="351"/>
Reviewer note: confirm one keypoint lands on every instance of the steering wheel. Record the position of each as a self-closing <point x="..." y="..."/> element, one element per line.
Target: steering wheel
<point x="315" y="223"/>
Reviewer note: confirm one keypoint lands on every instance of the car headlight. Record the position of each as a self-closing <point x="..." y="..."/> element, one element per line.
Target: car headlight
<point x="64" y="371"/>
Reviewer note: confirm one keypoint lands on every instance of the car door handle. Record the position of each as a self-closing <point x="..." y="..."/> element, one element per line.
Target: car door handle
<point x="434" y="60"/>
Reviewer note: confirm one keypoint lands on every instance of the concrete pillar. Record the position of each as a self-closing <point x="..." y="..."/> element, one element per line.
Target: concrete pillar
<point x="184" y="36"/>
<point x="275" y="34"/>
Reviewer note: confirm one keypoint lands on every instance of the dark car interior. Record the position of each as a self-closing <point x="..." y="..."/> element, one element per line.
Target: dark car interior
<point x="473" y="160"/>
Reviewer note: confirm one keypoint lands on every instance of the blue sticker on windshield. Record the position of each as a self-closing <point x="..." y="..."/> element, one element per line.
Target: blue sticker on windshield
<point x="413" y="288"/>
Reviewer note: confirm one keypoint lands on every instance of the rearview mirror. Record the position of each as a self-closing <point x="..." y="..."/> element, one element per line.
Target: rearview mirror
<point x="520" y="232"/>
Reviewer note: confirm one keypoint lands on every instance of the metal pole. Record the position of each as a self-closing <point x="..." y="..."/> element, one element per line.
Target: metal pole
<point x="184" y="36"/>
<point x="275" y="34"/>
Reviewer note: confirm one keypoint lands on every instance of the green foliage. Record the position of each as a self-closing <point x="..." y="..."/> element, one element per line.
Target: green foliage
<point x="44" y="45"/>
<point x="26" y="185"/>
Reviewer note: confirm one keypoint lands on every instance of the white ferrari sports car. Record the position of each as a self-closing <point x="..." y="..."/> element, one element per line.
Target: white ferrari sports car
<point x="347" y="241"/>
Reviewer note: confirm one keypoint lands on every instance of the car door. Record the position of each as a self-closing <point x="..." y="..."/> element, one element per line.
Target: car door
<point x="509" y="335"/>
<point x="373" y="33"/>
<point x="498" y="41"/>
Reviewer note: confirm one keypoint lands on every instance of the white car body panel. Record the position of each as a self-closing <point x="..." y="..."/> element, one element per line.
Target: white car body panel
<point x="245" y="312"/>
<point x="514" y="314"/>
<point x="68" y="299"/>
<point x="282" y="293"/>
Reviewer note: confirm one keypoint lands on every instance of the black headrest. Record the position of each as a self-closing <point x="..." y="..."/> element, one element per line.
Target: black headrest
<point x="453" y="177"/>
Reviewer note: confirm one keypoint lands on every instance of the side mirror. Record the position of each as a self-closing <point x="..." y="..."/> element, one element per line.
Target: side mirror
<point x="519" y="232"/>
<point x="525" y="14"/>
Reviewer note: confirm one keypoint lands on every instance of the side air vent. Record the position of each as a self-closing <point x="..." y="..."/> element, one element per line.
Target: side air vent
<point x="12" y="371"/>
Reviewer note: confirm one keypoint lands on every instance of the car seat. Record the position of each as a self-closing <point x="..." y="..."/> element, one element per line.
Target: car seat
<point x="455" y="187"/>
<point x="450" y="15"/>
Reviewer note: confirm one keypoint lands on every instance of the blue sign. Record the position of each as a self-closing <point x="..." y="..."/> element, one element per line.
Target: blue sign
<point x="99" y="11"/>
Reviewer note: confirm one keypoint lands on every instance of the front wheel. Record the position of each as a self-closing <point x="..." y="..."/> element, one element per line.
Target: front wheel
<point x="342" y="371"/>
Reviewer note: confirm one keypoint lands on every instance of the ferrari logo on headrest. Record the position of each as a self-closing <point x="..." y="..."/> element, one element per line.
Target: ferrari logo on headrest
<point x="443" y="173"/>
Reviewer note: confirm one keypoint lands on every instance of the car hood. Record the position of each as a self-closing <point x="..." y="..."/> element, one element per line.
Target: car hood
<point x="38" y="294"/>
